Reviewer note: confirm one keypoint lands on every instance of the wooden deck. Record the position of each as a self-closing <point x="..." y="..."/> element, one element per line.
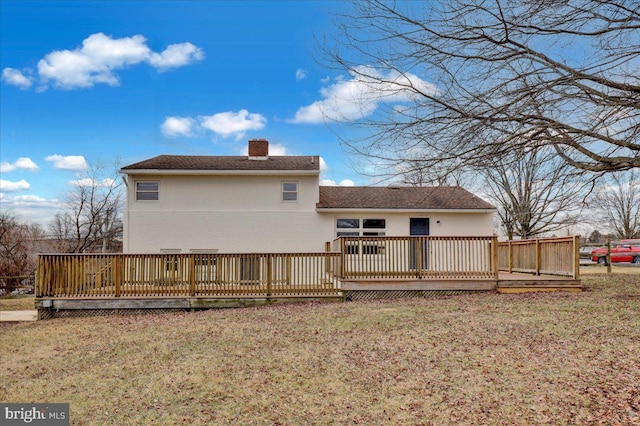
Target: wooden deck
<point x="362" y="267"/>
<point x="506" y="283"/>
<point x="365" y="289"/>
<point x="525" y="283"/>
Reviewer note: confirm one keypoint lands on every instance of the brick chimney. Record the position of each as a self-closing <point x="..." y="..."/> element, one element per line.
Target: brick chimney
<point x="258" y="149"/>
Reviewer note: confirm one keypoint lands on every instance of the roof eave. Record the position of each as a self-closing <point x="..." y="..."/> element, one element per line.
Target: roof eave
<point x="183" y="172"/>
<point x="383" y="210"/>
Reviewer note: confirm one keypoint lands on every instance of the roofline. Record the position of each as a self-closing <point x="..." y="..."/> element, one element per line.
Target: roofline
<point x="200" y="172"/>
<point x="379" y="210"/>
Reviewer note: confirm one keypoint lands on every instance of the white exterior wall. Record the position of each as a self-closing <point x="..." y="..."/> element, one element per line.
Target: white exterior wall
<point x="246" y="214"/>
<point x="231" y="214"/>
<point x="452" y="224"/>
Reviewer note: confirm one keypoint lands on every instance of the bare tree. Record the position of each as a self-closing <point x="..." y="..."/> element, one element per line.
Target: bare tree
<point x="496" y="75"/>
<point x="18" y="253"/>
<point x="618" y="204"/>
<point x="416" y="173"/>
<point x="91" y="220"/>
<point x="534" y="192"/>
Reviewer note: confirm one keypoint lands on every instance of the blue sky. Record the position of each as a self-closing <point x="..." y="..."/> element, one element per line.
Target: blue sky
<point x="88" y="83"/>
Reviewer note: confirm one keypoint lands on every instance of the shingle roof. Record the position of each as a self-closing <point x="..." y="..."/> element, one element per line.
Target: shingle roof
<point x="422" y="198"/>
<point x="220" y="163"/>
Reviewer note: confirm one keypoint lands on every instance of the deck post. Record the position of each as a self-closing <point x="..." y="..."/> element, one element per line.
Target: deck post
<point x="510" y="257"/>
<point x="192" y="276"/>
<point x="538" y="257"/>
<point x="494" y="257"/>
<point x="39" y="278"/>
<point x="343" y="257"/>
<point x="269" y="260"/>
<point x="117" y="275"/>
<point x="576" y="257"/>
<point x="419" y="256"/>
<point x="288" y="263"/>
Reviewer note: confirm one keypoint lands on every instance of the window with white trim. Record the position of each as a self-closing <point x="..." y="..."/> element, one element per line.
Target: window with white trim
<point x="147" y="191"/>
<point x="290" y="191"/>
<point x="346" y="227"/>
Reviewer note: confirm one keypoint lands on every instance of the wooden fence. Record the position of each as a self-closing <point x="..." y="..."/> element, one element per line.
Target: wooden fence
<point x="541" y="256"/>
<point x="300" y="274"/>
<point x="417" y="257"/>
<point x="187" y="275"/>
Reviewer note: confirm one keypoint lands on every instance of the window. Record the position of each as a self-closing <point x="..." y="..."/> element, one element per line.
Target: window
<point x="289" y="191"/>
<point x="147" y="191"/>
<point x="362" y="227"/>
<point x="374" y="223"/>
<point x="357" y="227"/>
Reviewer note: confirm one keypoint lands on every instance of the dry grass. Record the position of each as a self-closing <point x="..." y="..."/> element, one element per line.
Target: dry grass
<point x="625" y="268"/>
<point x="17" y="303"/>
<point x="548" y="358"/>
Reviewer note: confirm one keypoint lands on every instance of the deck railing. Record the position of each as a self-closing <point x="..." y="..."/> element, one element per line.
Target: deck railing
<point x="300" y="274"/>
<point x="417" y="257"/>
<point x="541" y="256"/>
<point x="182" y="275"/>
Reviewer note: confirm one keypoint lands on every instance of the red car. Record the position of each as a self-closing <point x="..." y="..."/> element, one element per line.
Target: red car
<point x="623" y="251"/>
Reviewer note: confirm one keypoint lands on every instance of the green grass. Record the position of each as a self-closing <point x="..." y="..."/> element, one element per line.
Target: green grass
<point x="547" y="358"/>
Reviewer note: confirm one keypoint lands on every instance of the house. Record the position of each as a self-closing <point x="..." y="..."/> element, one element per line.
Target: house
<point x="206" y="232"/>
<point x="274" y="204"/>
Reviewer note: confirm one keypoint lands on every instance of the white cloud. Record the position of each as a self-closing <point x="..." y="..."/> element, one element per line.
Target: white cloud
<point x="97" y="60"/>
<point x="324" y="169"/>
<point x="301" y="74"/>
<point x="323" y="166"/>
<point x="277" y="149"/>
<point x="176" y="55"/>
<point x="232" y="123"/>
<point x="94" y="62"/>
<point x="178" y="126"/>
<point x="10" y="186"/>
<point x="16" y="78"/>
<point x="359" y="96"/>
<point x="28" y="199"/>
<point x="23" y="163"/>
<point x="69" y="162"/>
<point x="330" y="182"/>
<point x="31" y="207"/>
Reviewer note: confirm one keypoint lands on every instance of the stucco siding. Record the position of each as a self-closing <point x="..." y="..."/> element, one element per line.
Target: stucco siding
<point x="246" y="213"/>
<point x="228" y="213"/>
<point x="453" y="224"/>
<point x="227" y="231"/>
<point x="225" y="193"/>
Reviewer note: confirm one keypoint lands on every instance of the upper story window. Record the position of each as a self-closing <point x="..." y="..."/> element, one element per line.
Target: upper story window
<point x="289" y="191"/>
<point x="147" y="191"/>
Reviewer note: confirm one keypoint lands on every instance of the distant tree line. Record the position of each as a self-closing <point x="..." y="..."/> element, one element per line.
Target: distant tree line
<point x="89" y="221"/>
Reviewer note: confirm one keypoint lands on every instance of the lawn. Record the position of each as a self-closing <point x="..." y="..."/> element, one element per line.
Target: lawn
<point x="547" y="358"/>
<point x="17" y="303"/>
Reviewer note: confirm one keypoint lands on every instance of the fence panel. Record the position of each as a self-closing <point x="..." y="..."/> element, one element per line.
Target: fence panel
<point x="181" y="275"/>
<point x="549" y="256"/>
<point x="417" y="257"/>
